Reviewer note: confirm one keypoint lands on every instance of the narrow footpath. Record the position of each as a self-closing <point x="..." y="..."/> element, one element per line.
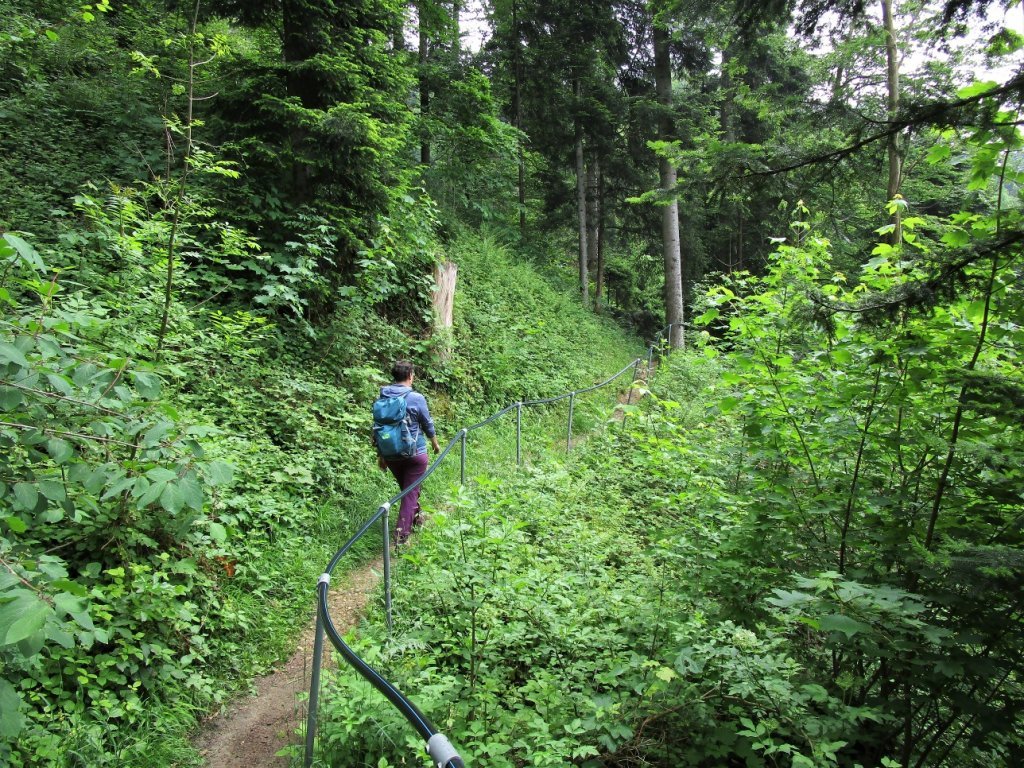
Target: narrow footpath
<point x="255" y="728"/>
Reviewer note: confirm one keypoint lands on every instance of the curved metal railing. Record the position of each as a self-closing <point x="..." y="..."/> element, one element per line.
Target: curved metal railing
<point x="440" y="749"/>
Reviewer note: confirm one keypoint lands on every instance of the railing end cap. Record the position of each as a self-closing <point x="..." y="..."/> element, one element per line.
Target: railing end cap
<point x="441" y="750"/>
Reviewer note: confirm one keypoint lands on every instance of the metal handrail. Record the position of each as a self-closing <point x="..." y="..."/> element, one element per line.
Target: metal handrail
<point x="440" y="749"/>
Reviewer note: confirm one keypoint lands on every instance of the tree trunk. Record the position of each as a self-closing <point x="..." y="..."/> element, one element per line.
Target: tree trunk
<point x="725" y="111"/>
<point x="599" y="278"/>
<point x="457" y="27"/>
<point x="581" y="206"/>
<point x="592" y="257"/>
<point x="517" y="115"/>
<point x="179" y="198"/>
<point x="739" y="238"/>
<point x="670" y="211"/>
<point x="424" y="83"/>
<point x="443" y="302"/>
<point x="443" y="297"/>
<point x="892" y="82"/>
<point x="398" y="35"/>
<point x="298" y="46"/>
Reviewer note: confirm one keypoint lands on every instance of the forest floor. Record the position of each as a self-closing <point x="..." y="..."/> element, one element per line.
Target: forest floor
<point x="252" y="730"/>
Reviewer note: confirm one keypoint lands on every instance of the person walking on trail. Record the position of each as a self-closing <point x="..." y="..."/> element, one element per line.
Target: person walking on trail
<point x="401" y="428"/>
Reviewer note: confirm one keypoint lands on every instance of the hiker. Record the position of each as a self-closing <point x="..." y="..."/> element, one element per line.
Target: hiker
<point x="401" y="427"/>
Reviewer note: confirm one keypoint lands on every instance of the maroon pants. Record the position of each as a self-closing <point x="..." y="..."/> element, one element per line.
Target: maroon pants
<point x="407" y="472"/>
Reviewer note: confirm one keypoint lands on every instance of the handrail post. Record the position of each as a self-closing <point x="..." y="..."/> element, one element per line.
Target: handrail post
<point x="568" y="439"/>
<point x="636" y="368"/>
<point x="519" y="434"/>
<point x="463" y="458"/>
<point x="650" y="359"/>
<point x="314" y="683"/>
<point x="385" y="526"/>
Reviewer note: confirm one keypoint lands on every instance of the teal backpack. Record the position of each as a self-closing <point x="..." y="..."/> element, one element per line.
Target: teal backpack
<point x="391" y="430"/>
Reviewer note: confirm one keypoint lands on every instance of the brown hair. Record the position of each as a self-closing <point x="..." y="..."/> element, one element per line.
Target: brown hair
<point x="402" y="370"/>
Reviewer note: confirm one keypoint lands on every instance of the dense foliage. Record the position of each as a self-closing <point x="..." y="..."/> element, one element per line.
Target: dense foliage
<point x="154" y="511"/>
<point x="219" y="223"/>
<point x="806" y="552"/>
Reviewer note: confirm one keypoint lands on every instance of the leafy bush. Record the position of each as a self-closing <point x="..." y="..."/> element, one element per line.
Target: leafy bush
<point x="537" y="624"/>
<point x="95" y="470"/>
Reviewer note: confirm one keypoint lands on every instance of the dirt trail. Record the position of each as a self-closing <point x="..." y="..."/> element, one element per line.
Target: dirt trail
<point x="255" y="728"/>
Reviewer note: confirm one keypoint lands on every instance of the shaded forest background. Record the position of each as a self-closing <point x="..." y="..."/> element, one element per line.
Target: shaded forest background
<point x="219" y="222"/>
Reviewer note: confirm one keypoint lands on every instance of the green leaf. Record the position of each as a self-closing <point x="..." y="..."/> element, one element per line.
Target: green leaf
<point x="707" y="317"/>
<point x="976" y="311"/>
<point x="27" y="496"/>
<point x="11" y="719"/>
<point x="156" y="433"/>
<point x="119" y="487"/>
<point x="786" y="599"/>
<point x="53" y="490"/>
<point x="218" y="532"/>
<point x="60" y="450"/>
<point x="218" y="473"/>
<point x="60" y="637"/>
<point x="956" y="238"/>
<point x="147" y="384"/>
<point x="16" y="524"/>
<point x="10" y="398"/>
<point x="60" y="384"/>
<point x="666" y="674"/>
<point x="152" y="493"/>
<point x="976" y="88"/>
<point x="33" y="644"/>
<point x="837" y="622"/>
<point x="192" y="492"/>
<point x="69" y="604"/>
<point x="27" y="252"/>
<point x="161" y="475"/>
<point x="22" y="617"/>
<point x="841" y="356"/>
<point x="11" y="354"/>
<point x="939" y="153"/>
<point x="172" y="498"/>
<point x="72" y="587"/>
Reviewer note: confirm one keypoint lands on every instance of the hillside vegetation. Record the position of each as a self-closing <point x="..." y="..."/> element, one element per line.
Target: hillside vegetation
<point x="219" y="225"/>
<point x="168" y="520"/>
<point x="802" y="549"/>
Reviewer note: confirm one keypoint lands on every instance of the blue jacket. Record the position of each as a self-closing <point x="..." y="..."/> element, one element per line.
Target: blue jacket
<point x="420" y="423"/>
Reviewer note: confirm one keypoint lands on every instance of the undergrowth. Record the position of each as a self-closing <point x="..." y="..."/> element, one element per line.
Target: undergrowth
<point x="547" y="618"/>
<point x="192" y="497"/>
